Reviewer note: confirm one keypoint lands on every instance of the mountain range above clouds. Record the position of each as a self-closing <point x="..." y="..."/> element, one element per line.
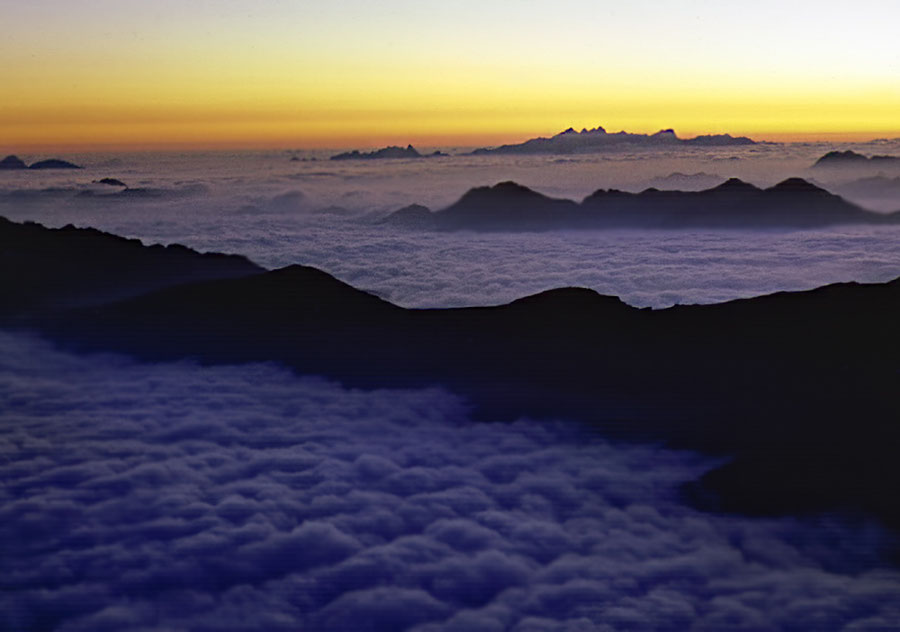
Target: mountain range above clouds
<point x="796" y="389"/>
<point x="386" y="153"/>
<point x="598" y="139"/>
<point x="792" y="203"/>
<point x="850" y="158"/>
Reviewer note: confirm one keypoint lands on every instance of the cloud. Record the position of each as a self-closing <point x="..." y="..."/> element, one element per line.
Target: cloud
<point x="173" y="496"/>
<point x="253" y="205"/>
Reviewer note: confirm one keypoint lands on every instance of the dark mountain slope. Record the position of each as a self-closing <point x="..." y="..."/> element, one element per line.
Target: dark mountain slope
<point x="43" y="268"/>
<point x="800" y="388"/>
<point x="793" y="203"/>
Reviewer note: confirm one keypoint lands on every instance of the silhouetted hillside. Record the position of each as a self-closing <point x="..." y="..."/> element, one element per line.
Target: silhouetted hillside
<point x="12" y="162"/>
<point x="504" y="205"/>
<point x="677" y="181"/>
<point x="733" y="204"/>
<point x="800" y="388"/>
<point x="852" y="159"/>
<point x="599" y="140"/>
<point x="384" y="153"/>
<point x="412" y="216"/>
<point x="54" y="268"/>
<point x="53" y="163"/>
<point x="113" y="182"/>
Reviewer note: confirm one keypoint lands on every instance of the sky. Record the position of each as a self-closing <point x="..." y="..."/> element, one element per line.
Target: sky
<point x="346" y="73"/>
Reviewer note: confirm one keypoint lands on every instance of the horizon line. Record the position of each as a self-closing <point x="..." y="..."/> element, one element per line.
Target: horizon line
<point x="456" y="141"/>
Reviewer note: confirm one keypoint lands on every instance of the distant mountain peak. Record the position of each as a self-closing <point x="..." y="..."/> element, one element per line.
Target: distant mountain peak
<point x="797" y="185"/>
<point x="596" y="140"/>
<point x="851" y="158"/>
<point x="510" y="186"/>
<point x="735" y="185"/>
<point x="393" y="151"/>
<point x="12" y="162"/>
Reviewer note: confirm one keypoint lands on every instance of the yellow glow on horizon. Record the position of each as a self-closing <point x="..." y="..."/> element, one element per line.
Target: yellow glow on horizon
<point x="129" y="74"/>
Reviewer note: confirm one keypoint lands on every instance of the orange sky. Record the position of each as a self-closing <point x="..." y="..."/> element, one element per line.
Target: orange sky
<point x="128" y="74"/>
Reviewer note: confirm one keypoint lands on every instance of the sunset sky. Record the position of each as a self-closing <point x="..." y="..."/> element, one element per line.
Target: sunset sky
<point x="289" y="73"/>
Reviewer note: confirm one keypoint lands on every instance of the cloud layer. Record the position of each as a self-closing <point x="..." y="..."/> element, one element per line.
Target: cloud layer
<point x="321" y="213"/>
<point x="179" y="497"/>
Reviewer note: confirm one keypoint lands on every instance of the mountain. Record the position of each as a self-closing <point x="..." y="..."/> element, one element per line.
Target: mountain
<point x="503" y="205"/>
<point x="12" y="162"/>
<point x="717" y="140"/>
<point x="852" y="159"/>
<point x="113" y="182"/>
<point x="47" y="269"/>
<point x="796" y="389"/>
<point x="599" y="140"/>
<point x="412" y="216"/>
<point x="678" y="181"/>
<point x="53" y="163"/>
<point x="793" y="203"/>
<point x="384" y="153"/>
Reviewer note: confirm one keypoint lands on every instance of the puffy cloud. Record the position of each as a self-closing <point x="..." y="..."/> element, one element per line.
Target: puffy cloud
<point x="175" y="496"/>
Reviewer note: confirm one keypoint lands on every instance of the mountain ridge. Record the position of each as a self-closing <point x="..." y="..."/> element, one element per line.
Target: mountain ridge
<point x="598" y="139"/>
<point x="797" y="388"/>
<point x="791" y="203"/>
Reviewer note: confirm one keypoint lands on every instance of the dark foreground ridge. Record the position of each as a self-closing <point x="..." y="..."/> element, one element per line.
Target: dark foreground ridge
<point x="793" y="203"/>
<point x="799" y="388"/>
<point x="597" y="140"/>
<point x="45" y="270"/>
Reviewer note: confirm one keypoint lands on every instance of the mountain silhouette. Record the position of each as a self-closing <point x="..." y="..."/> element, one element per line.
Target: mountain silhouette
<point x="503" y="205"/>
<point x="852" y="159"/>
<point x="384" y="153"/>
<point x="12" y="162"/>
<point x="412" y="216"/>
<point x="53" y="163"/>
<point x="47" y="268"/>
<point x="678" y="181"/>
<point x="793" y="203"/>
<point x="599" y="140"/>
<point x="797" y="389"/>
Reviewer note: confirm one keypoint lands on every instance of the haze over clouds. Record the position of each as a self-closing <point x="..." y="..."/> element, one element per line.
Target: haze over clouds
<point x="279" y="212"/>
<point x="245" y="498"/>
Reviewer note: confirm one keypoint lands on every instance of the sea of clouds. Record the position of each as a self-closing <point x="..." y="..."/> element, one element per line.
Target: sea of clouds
<point x="325" y="214"/>
<point x="180" y="497"/>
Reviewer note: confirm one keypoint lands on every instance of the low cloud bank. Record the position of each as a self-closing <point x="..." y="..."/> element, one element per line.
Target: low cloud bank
<point x="179" y="497"/>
